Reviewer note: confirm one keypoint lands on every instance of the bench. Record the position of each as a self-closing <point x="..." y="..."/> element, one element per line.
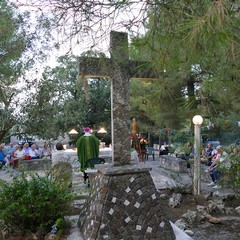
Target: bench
<point x="173" y="163"/>
<point x="35" y="164"/>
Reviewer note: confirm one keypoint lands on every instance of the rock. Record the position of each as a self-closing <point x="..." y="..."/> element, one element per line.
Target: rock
<point x="189" y="232"/>
<point x="212" y="219"/>
<point x="175" y="200"/>
<point x="202" y="209"/>
<point x="229" y="211"/>
<point x="221" y="208"/>
<point x="51" y="236"/>
<point x="181" y="224"/>
<point x="212" y="206"/>
<point x="237" y="209"/>
<point x="163" y="196"/>
<point x="190" y="217"/>
<point x="216" y="206"/>
<point x="224" y="194"/>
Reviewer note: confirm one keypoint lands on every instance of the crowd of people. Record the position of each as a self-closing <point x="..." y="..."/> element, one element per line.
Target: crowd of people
<point x="215" y="159"/>
<point x="11" y="155"/>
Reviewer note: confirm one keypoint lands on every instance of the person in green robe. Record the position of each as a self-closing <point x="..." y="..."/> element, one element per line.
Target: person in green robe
<point x="87" y="148"/>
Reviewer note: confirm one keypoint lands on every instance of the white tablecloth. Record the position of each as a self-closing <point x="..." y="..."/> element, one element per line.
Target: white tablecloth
<point x="103" y="152"/>
<point x="71" y="154"/>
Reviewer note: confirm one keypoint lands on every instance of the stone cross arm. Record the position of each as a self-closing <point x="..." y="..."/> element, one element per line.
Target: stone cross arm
<point x="102" y="68"/>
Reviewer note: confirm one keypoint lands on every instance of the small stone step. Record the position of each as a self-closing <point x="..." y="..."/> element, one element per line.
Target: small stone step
<point x="78" y="203"/>
<point x="81" y="195"/>
<point x="75" y="234"/>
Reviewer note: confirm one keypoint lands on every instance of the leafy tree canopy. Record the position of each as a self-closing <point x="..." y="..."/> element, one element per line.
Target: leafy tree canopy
<point x="63" y="101"/>
<point x="193" y="45"/>
<point x="12" y="45"/>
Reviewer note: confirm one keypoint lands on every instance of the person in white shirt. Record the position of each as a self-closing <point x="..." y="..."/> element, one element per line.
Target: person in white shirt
<point x="26" y="148"/>
<point x="46" y="152"/>
<point x="19" y="154"/>
<point x="59" y="155"/>
<point x="33" y="153"/>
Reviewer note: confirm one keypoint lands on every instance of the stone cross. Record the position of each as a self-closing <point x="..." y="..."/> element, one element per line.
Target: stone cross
<point x="120" y="69"/>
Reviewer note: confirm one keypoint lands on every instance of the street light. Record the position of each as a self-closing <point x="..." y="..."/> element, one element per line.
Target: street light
<point x="197" y="121"/>
<point x="102" y="130"/>
<point x="73" y="132"/>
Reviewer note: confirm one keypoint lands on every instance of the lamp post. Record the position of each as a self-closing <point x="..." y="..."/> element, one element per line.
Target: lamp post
<point x="197" y="121"/>
<point x="73" y="133"/>
<point x="102" y="131"/>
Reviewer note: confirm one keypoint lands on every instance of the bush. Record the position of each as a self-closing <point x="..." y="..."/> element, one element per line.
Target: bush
<point x="231" y="168"/>
<point x="33" y="202"/>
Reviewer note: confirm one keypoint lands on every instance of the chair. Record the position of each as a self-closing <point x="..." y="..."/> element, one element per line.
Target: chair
<point x="90" y="163"/>
<point x="150" y="151"/>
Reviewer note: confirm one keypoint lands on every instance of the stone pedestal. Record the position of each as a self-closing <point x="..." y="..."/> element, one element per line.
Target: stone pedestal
<point x="124" y="204"/>
<point x="173" y="164"/>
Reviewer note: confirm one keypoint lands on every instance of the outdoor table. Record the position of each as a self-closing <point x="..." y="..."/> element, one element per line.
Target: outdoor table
<point x="103" y="153"/>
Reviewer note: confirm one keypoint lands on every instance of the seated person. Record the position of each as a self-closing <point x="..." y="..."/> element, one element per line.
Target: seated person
<point x="46" y="152"/>
<point x="11" y="156"/>
<point x="38" y="150"/>
<point x="214" y="168"/>
<point x="3" y="156"/>
<point x="10" y="150"/>
<point x="19" y="154"/>
<point x="26" y="149"/>
<point x="164" y="149"/>
<point x="210" y="154"/>
<point x="33" y="153"/>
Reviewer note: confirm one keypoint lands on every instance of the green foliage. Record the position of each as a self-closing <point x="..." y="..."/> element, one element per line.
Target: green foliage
<point x="33" y="203"/>
<point x="193" y="48"/>
<point x="235" y="174"/>
<point x="12" y="46"/>
<point x="61" y="225"/>
<point x="181" y="137"/>
<point x="72" y="102"/>
<point x="98" y="105"/>
<point x="183" y="148"/>
<point x="231" y="169"/>
<point x="56" y="94"/>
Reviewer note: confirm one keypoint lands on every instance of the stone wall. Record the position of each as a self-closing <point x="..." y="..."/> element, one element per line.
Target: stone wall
<point x="172" y="163"/>
<point x="35" y="164"/>
<point x="124" y="205"/>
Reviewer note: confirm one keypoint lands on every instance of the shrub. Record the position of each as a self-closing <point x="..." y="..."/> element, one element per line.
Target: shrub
<point x="231" y="170"/>
<point x="33" y="202"/>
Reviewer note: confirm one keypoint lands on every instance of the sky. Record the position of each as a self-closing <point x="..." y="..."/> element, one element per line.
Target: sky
<point x="93" y="40"/>
<point x="84" y="42"/>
